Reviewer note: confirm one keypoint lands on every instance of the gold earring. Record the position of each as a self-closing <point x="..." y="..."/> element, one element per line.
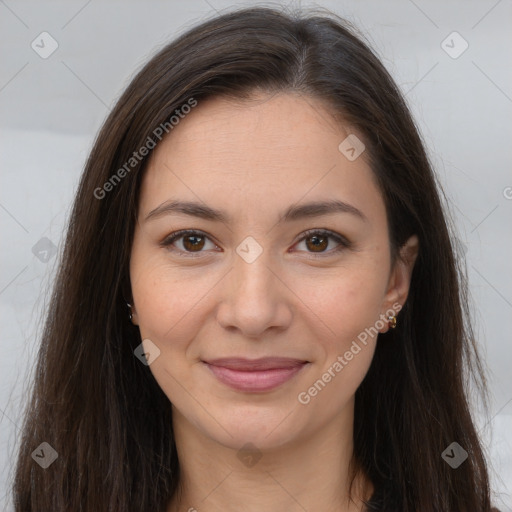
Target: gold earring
<point x="392" y="321"/>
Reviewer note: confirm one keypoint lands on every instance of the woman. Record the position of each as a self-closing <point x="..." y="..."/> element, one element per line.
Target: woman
<point x="258" y="305"/>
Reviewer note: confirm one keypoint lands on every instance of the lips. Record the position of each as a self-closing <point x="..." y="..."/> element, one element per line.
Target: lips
<point x="265" y="363"/>
<point x="255" y="375"/>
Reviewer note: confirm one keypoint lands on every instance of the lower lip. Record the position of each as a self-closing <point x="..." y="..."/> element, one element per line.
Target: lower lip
<point x="254" y="381"/>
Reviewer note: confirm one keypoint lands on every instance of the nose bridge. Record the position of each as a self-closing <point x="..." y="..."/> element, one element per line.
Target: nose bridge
<point x="255" y="298"/>
<point x="251" y="273"/>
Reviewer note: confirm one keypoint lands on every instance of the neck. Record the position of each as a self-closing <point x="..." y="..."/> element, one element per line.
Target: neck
<point x="307" y="474"/>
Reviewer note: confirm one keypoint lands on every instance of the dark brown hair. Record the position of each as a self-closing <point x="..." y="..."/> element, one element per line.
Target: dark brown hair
<point x="103" y="411"/>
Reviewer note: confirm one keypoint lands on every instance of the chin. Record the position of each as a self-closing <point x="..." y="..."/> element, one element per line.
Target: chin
<point x="264" y="428"/>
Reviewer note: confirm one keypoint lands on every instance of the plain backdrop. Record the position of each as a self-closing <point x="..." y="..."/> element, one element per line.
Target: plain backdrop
<point x="457" y="85"/>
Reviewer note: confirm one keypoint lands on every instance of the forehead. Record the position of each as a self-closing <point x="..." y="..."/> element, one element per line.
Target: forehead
<point x="269" y="149"/>
<point x="266" y="126"/>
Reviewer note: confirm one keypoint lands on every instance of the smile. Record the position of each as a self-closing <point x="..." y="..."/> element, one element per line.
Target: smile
<point x="255" y="375"/>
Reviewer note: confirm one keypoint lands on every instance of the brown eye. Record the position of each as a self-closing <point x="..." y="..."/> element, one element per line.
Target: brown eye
<point x="318" y="243"/>
<point x="187" y="242"/>
<point x="193" y="242"/>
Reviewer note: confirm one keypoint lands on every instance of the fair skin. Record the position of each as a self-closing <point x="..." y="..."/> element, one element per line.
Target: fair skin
<point x="299" y="298"/>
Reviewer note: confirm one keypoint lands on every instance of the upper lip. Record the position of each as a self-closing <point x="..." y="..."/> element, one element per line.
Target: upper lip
<point x="265" y="363"/>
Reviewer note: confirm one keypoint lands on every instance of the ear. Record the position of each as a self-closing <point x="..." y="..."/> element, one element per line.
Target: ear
<point x="130" y="304"/>
<point x="128" y="298"/>
<point x="400" y="279"/>
<point x="135" y="320"/>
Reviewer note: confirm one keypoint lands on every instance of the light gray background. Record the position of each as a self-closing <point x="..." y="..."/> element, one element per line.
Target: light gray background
<point x="51" y="109"/>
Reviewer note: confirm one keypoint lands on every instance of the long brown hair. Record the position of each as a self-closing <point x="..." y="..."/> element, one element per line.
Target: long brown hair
<point x="103" y="412"/>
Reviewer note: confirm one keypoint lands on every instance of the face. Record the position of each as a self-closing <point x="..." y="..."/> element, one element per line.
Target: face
<point x="259" y="274"/>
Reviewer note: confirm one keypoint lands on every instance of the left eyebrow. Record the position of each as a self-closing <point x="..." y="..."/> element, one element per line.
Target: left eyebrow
<point x="316" y="209"/>
<point x="293" y="212"/>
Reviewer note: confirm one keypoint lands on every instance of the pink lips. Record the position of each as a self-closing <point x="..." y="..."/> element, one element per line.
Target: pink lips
<point x="255" y="375"/>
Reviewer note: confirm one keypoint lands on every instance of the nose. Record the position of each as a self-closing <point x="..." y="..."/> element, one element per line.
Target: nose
<point x="255" y="298"/>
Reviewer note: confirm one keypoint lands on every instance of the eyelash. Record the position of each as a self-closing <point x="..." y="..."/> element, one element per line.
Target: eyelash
<point x="342" y="241"/>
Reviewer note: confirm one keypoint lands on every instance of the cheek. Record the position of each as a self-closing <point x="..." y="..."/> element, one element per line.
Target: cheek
<point x="344" y="304"/>
<point x="159" y="297"/>
<point x="165" y="302"/>
<point x="347" y="309"/>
